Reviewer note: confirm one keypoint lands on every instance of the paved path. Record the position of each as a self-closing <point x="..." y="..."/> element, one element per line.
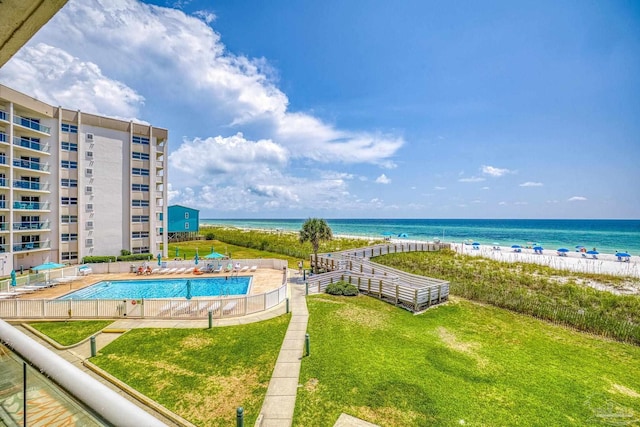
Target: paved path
<point x="280" y="401"/>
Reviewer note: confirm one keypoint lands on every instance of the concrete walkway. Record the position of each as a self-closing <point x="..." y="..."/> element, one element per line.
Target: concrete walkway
<point x="280" y="401"/>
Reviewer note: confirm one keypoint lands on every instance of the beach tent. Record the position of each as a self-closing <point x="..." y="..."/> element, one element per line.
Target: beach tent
<point x="403" y="235"/>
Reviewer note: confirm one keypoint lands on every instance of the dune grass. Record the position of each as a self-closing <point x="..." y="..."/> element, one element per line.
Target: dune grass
<point x="202" y="375"/>
<point x="557" y="295"/>
<point x="70" y="332"/>
<point x="459" y="364"/>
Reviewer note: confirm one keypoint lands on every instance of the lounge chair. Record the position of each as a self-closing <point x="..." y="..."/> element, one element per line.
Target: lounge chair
<point x="244" y="269"/>
<point x="229" y="307"/>
<point x="155" y="270"/>
<point x="253" y="268"/>
<point x="218" y="269"/>
<point x="174" y="306"/>
<point x="84" y="270"/>
<point x="205" y="306"/>
<point x="188" y="270"/>
<point x="228" y="268"/>
<point x="180" y="270"/>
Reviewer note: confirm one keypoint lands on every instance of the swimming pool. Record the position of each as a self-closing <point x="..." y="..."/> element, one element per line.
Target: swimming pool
<point x="165" y="288"/>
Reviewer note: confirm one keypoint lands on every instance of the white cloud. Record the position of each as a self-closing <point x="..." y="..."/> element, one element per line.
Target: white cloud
<point x="521" y="203"/>
<point x="471" y="179"/>
<point x="577" y="199"/>
<point x="531" y="184"/>
<point x="383" y="179"/>
<point x="493" y="171"/>
<point x="486" y="188"/>
<point x="125" y="58"/>
<point x="502" y="203"/>
<point x="439" y="188"/>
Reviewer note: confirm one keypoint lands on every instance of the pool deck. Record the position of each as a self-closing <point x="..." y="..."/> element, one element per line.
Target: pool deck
<point x="264" y="280"/>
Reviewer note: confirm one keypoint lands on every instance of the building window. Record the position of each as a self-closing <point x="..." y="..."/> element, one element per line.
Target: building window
<point x="68" y="164"/>
<point x="140" y="171"/>
<point x="68" y="219"/>
<point x="140" y="218"/>
<point x="140" y="140"/>
<point x="64" y="182"/>
<point x="186" y="225"/>
<point x="69" y="200"/>
<point x="68" y="256"/>
<point x="139" y="234"/>
<point x="186" y="215"/>
<point x="139" y="156"/>
<point x="69" y="237"/>
<point x="140" y="250"/>
<point x="66" y="127"/>
<point x="140" y="203"/>
<point x="140" y="187"/>
<point x="69" y="146"/>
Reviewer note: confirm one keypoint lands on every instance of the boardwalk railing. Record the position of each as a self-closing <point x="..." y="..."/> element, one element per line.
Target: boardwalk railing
<point x="411" y="291"/>
<point x="143" y="308"/>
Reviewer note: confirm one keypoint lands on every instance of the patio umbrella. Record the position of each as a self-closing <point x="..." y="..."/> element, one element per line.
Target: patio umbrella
<point x="177" y="252"/>
<point x="159" y="259"/>
<point x="214" y="255"/>
<point x="196" y="258"/>
<point x="188" y="289"/>
<point x="563" y="250"/>
<point x="13" y="278"/>
<point x="47" y="266"/>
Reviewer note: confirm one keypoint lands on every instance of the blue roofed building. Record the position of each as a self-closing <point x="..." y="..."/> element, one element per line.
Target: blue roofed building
<point x="183" y="223"/>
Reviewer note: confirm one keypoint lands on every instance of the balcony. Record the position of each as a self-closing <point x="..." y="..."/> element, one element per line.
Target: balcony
<point x="4" y="226"/>
<point x="31" y="206"/>
<point x="4" y="116"/>
<point x="28" y="185"/>
<point x="3" y="137"/>
<point x="30" y="246"/>
<point x="28" y="123"/>
<point x="3" y="182"/>
<point x="28" y="164"/>
<point x="26" y="226"/>
<point x="4" y="248"/>
<point x="32" y="145"/>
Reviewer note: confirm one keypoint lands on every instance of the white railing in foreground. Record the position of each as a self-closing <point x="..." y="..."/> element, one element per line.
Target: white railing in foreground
<point x="146" y="308"/>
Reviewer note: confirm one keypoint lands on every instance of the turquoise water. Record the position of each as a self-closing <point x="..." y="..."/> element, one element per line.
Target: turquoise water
<point x="165" y="288"/>
<point x="608" y="236"/>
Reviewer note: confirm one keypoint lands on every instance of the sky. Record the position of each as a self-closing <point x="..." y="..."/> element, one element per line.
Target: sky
<point x="363" y="109"/>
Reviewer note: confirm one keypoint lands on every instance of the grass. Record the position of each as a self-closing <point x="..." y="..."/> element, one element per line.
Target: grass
<point x="556" y="295"/>
<point x="70" y="332"/>
<point x="460" y="363"/>
<point x="201" y="375"/>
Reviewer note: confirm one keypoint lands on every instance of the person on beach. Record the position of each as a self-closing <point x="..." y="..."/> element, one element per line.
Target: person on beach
<point x="300" y="265"/>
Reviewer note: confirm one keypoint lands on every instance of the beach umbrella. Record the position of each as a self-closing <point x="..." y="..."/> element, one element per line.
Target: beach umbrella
<point x="623" y="254"/>
<point x="592" y="252"/>
<point x="403" y="235"/>
<point x="47" y="266"/>
<point x="538" y="248"/>
<point x="159" y="259"/>
<point x="476" y="244"/>
<point x="188" y="289"/>
<point x="563" y="250"/>
<point x="516" y="246"/>
<point x="579" y="246"/>
<point x="13" y="278"/>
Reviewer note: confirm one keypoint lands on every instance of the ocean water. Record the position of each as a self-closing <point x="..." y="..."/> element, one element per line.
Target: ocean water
<point x="607" y="236"/>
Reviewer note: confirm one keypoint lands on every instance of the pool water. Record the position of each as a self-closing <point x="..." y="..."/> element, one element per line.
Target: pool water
<point x="165" y="288"/>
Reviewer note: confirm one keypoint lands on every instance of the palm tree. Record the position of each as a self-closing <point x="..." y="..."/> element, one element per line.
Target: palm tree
<point x="315" y="230"/>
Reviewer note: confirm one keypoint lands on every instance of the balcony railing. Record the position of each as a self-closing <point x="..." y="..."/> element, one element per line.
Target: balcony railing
<point x="31" y="124"/>
<point x="4" y="226"/>
<point x="3" y="182"/>
<point x="29" y="246"/>
<point x="28" y="185"/>
<point x="31" y="205"/>
<point x="3" y="115"/>
<point x="28" y="164"/>
<point x="31" y="225"/>
<point x="3" y="204"/>
<point x="3" y="137"/>
<point x="27" y="143"/>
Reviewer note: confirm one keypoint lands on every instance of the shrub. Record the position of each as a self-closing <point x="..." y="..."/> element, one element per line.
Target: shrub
<point x="209" y="236"/>
<point x="124" y="252"/>
<point x="98" y="259"/>
<point x="342" y="288"/>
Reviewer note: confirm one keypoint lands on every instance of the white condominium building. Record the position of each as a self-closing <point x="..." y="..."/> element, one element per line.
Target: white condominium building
<point x="74" y="184"/>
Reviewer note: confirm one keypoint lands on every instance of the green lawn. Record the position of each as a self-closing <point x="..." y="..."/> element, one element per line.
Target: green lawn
<point x="202" y="375"/>
<point x="70" y="332"/>
<point x="459" y="364"/>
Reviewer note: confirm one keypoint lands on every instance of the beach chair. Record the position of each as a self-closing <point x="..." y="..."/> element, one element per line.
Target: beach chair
<point x="84" y="270"/>
<point x="244" y="269"/>
<point x="253" y="268"/>
<point x="188" y="270"/>
<point x="228" y="268"/>
<point x="229" y="307"/>
<point x="172" y="270"/>
<point x="206" y="306"/>
<point x="180" y="270"/>
<point x="218" y="269"/>
<point x="156" y="270"/>
<point x="174" y="306"/>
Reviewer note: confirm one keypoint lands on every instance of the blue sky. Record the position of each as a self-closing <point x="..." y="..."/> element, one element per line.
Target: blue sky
<point x="411" y="109"/>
